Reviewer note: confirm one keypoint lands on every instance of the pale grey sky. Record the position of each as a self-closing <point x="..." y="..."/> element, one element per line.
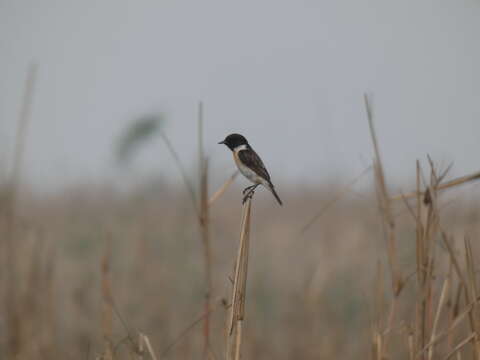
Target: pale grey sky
<point x="289" y="75"/>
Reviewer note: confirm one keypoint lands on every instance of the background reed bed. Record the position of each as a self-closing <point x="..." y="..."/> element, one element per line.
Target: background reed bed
<point x="350" y="271"/>
<point x="327" y="292"/>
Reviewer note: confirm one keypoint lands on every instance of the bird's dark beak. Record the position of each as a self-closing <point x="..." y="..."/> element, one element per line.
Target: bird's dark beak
<point x="222" y="142"/>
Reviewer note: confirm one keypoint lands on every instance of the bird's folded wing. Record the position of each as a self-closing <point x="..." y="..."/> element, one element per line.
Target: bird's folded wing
<point x="253" y="161"/>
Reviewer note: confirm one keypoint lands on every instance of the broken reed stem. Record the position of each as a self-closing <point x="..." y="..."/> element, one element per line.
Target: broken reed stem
<point x="237" y="312"/>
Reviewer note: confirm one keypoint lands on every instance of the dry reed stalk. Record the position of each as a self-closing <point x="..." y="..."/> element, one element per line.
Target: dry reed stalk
<point x="183" y="172"/>
<point x="459" y="347"/>
<point x="40" y="294"/>
<point x="419" y="224"/>
<point x="388" y="224"/>
<point x="107" y="312"/>
<point x="205" y="233"/>
<point x="411" y="346"/>
<point x="426" y="257"/>
<point x="21" y="136"/>
<point x="346" y="189"/>
<point x="204" y="220"/>
<point x="472" y="283"/>
<point x="237" y="312"/>
<point x="379" y="301"/>
<point x="36" y="300"/>
<point x="385" y="206"/>
<point x="220" y="303"/>
<point x="454" y="325"/>
<point x="441" y="302"/>
<point x="469" y="288"/>
<point x="452" y="183"/>
<point x="378" y="345"/>
<point x="143" y="339"/>
<point x="221" y="190"/>
<point x="427" y="220"/>
<point x="453" y="304"/>
<point x="202" y="213"/>
<point x="432" y="303"/>
<point x="465" y="287"/>
<point x="49" y="303"/>
<point x="427" y="316"/>
<point x="13" y="323"/>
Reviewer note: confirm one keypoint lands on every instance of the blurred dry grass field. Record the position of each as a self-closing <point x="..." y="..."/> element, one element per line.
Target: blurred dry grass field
<point x="93" y="273"/>
<point x="326" y="293"/>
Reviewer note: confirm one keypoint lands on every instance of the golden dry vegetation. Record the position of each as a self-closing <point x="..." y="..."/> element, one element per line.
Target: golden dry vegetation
<point x="340" y="271"/>
<point x="88" y="270"/>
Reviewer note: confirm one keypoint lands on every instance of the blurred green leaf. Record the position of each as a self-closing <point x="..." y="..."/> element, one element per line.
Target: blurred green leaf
<point x="136" y="135"/>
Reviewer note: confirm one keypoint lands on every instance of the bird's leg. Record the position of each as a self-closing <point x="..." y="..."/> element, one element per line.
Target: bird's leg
<point x="251" y="191"/>
<point x="247" y="189"/>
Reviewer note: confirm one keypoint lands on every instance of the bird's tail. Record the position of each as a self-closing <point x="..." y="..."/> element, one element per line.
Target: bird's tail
<point x="272" y="189"/>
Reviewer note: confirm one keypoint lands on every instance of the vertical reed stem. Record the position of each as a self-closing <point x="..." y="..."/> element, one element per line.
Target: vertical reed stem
<point x="107" y="312"/>
<point x="11" y="297"/>
<point x="205" y="231"/>
<point x="237" y="312"/>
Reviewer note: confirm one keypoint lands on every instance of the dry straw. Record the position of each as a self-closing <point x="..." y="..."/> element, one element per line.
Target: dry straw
<point x="204" y="221"/>
<point x="12" y="301"/>
<point x="237" y="311"/>
<point x="445" y="321"/>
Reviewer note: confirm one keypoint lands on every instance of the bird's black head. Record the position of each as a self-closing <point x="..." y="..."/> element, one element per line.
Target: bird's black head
<point x="234" y="140"/>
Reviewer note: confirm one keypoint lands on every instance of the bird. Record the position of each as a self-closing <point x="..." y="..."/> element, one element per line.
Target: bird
<point x="250" y="165"/>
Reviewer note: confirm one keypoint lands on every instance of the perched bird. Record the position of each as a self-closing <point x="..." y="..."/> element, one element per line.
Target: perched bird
<point x="249" y="164"/>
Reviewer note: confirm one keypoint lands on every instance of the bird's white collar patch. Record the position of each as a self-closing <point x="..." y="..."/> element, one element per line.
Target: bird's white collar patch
<point x="241" y="147"/>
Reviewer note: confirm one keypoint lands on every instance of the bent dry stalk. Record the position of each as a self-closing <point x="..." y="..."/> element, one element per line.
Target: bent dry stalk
<point x="237" y="311"/>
